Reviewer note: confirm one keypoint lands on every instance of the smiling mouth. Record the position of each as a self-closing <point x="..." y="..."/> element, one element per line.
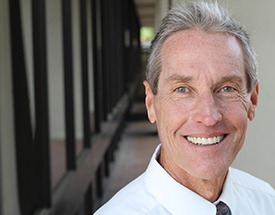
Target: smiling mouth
<point x="202" y="141"/>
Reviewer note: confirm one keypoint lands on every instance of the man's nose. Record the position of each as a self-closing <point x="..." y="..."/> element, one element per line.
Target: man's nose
<point x="207" y="110"/>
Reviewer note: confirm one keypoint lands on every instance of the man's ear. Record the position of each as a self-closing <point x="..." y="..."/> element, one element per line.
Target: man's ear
<point x="149" y="102"/>
<point x="253" y="102"/>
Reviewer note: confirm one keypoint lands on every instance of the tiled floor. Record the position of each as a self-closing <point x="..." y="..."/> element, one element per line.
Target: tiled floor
<point x="135" y="149"/>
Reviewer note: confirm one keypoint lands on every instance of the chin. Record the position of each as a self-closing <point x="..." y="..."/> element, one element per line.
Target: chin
<point x="209" y="173"/>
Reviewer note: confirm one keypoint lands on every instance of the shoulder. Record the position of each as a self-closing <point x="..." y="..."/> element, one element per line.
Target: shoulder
<point x="250" y="183"/>
<point x="134" y="198"/>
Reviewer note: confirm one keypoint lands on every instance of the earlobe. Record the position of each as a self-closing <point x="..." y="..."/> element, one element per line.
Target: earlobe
<point x="251" y="115"/>
<point x="149" y="97"/>
<point x="254" y="102"/>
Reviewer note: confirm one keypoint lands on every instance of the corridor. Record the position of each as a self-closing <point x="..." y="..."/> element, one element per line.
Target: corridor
<point x="138" y="142"/>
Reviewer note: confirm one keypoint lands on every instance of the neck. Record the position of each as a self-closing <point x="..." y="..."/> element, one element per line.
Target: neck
<point x="209" y="189"/>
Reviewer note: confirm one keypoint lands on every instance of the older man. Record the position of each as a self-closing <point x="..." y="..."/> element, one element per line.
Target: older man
<point x="201" y="89"/>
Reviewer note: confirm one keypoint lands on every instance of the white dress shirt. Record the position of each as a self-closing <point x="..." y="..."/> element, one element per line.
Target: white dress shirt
<point x="155" y="192"/>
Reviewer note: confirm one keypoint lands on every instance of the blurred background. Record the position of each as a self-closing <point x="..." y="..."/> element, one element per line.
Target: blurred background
<point x="73" y="127"/>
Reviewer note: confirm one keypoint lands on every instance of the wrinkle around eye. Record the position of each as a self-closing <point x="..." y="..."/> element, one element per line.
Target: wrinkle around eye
<point x="234" y="95"/>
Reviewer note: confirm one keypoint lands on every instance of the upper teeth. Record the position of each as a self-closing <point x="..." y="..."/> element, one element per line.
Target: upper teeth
<point x="205" y="141"/>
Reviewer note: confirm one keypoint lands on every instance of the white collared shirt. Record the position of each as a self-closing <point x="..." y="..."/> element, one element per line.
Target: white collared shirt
<point x="155" y="192"/>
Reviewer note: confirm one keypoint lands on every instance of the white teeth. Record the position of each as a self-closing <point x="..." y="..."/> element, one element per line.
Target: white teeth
<point x="205" y="141"/>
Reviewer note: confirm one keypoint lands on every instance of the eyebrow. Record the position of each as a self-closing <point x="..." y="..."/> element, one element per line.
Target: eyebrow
<point x="235" y="78"/>
<point x="183" y="78"/>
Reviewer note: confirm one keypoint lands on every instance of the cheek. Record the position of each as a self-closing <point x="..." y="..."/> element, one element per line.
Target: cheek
<point x="236" y="116"/>
<point x="237" y="105"/>
<point x="235" y="108"/>
<point x="170" y="117"/>
<point x="171" y="113"/>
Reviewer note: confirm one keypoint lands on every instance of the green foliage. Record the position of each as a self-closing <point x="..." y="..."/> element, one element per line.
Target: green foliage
<point x="147" y="34"/>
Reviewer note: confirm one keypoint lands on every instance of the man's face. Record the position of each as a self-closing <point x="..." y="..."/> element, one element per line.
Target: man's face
<point x="202" y="105"/>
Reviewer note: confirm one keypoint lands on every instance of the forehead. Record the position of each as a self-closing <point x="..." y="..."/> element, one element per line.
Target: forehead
<point x="190" y="50"/>
<point x="198" y="39"/>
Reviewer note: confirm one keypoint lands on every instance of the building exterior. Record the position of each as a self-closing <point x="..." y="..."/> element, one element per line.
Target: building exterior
<point x="68" y="72"/>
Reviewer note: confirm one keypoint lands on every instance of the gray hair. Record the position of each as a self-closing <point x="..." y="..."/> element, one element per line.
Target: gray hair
<point x="206" y="16"/>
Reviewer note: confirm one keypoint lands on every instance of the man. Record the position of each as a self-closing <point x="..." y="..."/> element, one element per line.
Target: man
<point x="201" y="89"/>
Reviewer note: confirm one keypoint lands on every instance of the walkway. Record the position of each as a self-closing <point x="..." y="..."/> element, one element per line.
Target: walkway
<point x="138" y="142"/>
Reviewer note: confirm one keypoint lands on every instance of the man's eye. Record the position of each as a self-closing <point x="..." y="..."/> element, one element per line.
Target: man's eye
<point x="182" y="90"/>
<point x="227" y="89"/>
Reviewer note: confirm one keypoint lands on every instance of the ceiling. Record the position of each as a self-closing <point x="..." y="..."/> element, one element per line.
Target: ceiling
<point x="146" y="12"/>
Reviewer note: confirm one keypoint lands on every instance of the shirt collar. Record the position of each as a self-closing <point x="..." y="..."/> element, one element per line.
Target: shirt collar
<point x="227" y="193"/>
<point x="172" y="195"/>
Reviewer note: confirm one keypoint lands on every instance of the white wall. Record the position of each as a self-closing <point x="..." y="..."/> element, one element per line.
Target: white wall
<point x="28" y="48"/>
<point x="257" y="156"/>
<point x="162" y="7"/>
<point x="55" y="69"/>
<point x="8" y="180"/>
<point x="77" y="68"/>
<point x="90" y="56"/>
